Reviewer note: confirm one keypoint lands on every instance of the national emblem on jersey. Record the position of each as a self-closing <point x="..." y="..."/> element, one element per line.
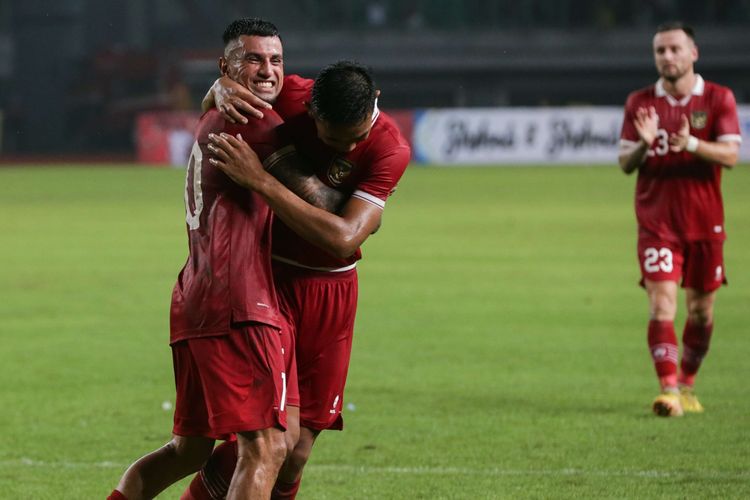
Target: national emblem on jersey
<point x="339" y="170"/>
<point x="698" y="119"/>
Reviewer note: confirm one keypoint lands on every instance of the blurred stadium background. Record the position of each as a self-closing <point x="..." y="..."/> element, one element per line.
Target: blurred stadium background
<point x="75" y="75"/>
<point x="500" y="345"/>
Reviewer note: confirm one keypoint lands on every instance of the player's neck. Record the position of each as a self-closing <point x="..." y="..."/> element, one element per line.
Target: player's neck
<point x="681" y="87"/>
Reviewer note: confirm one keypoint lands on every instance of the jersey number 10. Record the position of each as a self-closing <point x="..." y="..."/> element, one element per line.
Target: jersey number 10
<point x="193" y="218"/>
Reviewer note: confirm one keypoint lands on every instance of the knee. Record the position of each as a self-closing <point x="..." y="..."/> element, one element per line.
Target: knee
<point x="278" y="449"/>
<point x="701" y="315"/>
<point x="662" y="299"/>
<point x="301" y="452"/>
<point x="663" y="308"/>
<point x="290" y="440"/>
<point x="268" y="447"/>
<point x="193" y="454"/>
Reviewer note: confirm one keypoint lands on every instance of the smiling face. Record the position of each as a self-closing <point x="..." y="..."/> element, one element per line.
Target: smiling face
<point x="674" y="54"/>
<point x="257" y="63"/>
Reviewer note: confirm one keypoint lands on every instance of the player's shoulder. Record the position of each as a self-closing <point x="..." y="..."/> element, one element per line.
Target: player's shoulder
<point x="296" y="82"/>
<point x="715" y="89"/>
<point x="295" y="88"/>
<point x="643" y="94"/>
<point x="387" y="130"/>
<point x="294" y="93"/>
<point x="212" y="122"/>
<point x="387" y="148"/>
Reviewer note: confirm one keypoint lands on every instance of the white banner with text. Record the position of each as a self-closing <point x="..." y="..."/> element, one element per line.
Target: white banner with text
<point x="518" y="136"/>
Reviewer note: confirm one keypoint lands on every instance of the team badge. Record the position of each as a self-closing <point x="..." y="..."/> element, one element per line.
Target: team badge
<point x="339" y="170"/>
<point x="698" y="119"/>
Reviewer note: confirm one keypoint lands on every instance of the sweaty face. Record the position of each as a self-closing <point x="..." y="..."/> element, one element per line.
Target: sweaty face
<point x="674" y="54"/>
<point x="257" y="63"/>
<point x="343" y="138"/>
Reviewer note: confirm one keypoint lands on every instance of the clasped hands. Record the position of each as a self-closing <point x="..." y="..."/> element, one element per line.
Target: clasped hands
<point x="646" y="123"/>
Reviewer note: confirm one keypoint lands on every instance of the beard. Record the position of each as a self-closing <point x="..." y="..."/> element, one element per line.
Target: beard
<point x="672" y="74"/>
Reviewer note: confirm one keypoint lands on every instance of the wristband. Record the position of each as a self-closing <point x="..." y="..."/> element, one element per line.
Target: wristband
<point x="692" y="144"/>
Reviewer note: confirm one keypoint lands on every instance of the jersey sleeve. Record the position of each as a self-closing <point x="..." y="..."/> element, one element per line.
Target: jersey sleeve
<point x="294" y="93"/>
<point x="629" y="134"/>
<point x="385" y="172"/>
<point x="727" y="126"/>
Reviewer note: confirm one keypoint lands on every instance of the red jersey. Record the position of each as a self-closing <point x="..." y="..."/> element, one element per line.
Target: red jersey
<point x="227" y="277"/>
<point x="294" y="93"/>
<point x="370" y="172"/>
<point x="678" y="195"/>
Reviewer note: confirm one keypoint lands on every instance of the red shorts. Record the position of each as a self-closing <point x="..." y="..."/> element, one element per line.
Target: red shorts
<point x="229" y="383"/>
<point x="700" y="264"/>
<point x="320" y="308"/>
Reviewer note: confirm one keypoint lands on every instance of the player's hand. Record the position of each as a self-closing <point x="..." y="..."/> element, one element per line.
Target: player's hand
<point x="646" y="123"/>
<point x="232" y="99"/>
<point x="237" y="159"/>
<point x="678" y="142"/>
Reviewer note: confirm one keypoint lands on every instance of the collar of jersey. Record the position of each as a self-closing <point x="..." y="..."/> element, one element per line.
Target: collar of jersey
<point x="375" y="112"/>
<point x="697" y="90"/>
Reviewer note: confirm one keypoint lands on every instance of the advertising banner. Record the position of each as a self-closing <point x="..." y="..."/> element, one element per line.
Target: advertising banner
<point x="532" y="136"/>
<point x="517" y="135"/>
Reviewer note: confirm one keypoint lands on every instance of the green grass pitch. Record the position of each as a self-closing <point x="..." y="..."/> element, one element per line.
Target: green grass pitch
<point x="499" y="351"/>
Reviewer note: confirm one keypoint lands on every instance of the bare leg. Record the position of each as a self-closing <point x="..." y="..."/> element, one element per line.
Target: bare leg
<point x="700" y="306"/>
<point x="259" y="458"/>
<point x="662" y="299"/>
<point x="295" y="463"/>
<point x="291" y="436"/>
<point x="219" y="469"/>
<point x="153" y="473"/>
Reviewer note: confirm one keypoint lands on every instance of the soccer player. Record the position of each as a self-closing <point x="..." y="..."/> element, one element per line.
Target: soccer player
<point x="679" y="134"/>
<point x="335" y="124"/>
<point x="225" y="328"/>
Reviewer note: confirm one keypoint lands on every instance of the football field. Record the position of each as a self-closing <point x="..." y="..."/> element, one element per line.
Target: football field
<point x="499" y="350"/>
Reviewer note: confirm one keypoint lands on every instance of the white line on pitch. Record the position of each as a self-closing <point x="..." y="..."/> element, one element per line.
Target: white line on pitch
<point x="437" y="471"/>
<point x="460" y="471"/>
<point x="28" y="462"/>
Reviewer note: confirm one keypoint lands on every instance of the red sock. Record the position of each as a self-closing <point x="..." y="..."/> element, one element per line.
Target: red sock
<point x="662" y="343"/>
<point x="212" y="482"/>
<point x="116" y="495"/>
<point x="695" y="342"/>
<point x="285" y="491"/>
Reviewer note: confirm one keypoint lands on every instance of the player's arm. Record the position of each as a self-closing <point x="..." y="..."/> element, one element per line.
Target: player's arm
<point x="724" y="153"/>
<point x="232" y="99"/>
<point x="632" y="154"/>
<point x="288" y="168"/>
<point x="339" y="234"/>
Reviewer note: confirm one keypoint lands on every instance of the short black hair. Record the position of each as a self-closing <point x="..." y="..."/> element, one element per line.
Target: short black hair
<point x="250" y="26"/>
<point x="343" y="94"/>
<point x="676" y="25"/>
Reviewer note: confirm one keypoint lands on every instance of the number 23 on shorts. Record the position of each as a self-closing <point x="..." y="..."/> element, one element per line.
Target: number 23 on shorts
<point x="658" y="259"/>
